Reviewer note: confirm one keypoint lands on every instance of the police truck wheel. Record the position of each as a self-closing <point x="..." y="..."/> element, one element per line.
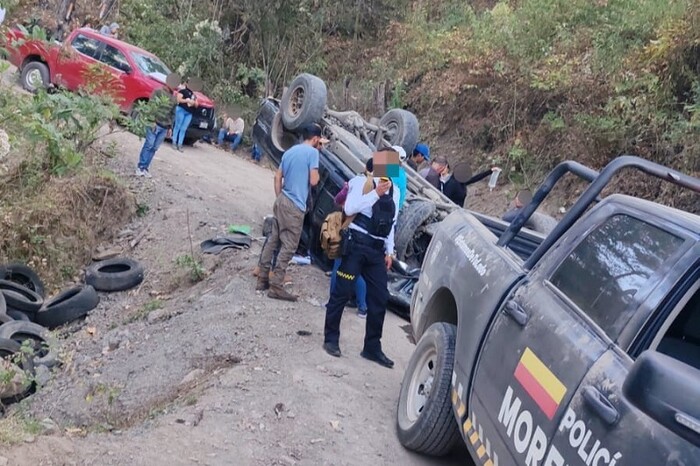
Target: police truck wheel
<point x="35" y="76"/>
<point x="424" y="418"/>
<point x="304" y="102"/>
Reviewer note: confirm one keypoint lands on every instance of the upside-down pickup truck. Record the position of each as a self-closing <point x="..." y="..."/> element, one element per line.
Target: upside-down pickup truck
<point x="138" y="73"/>
<point x="583" y="350"/>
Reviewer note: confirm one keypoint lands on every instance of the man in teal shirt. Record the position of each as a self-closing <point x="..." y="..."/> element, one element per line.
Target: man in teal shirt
<point x="401" y="180"/>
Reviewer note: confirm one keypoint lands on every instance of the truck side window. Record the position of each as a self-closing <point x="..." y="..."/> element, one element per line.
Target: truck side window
<point x="86" y="46"/>
<point x="114" y="58"/>
<point x="681" y="338"/>
<point x="606" y="270"/>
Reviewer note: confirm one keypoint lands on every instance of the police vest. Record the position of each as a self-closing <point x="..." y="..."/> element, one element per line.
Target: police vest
<point x="382" y="219"/>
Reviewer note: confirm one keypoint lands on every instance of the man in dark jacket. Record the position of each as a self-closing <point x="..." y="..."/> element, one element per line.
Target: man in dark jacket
<point x="449" y="186"/>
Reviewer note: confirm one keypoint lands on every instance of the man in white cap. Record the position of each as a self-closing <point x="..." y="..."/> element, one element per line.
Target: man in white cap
<point x="110" y="31"/>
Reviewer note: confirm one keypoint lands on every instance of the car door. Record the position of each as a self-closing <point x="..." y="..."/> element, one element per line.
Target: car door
<point x="73" y="61"/>
<point x="121" y="71"/>
<point x="601" y="425"/>
<point x="554" y="329"/>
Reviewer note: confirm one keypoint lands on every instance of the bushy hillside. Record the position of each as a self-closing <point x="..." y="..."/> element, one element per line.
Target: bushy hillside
<point x="520" y="83"/>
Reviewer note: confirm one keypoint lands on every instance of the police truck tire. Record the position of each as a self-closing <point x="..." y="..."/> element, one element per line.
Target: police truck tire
<point x="411" y="217"/>
<point x="304" y="102"/>
<point x="425" y="421"/>
<point x="402" y="129"/>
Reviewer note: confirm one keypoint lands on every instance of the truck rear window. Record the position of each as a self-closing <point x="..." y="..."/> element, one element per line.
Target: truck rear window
<point x="608" y="269"/>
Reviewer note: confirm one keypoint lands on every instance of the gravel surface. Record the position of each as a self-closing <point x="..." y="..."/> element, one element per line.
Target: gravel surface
<point x="175" y="372"/>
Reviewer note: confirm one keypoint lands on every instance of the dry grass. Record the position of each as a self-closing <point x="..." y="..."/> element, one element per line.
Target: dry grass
<point x="56" y="226"/>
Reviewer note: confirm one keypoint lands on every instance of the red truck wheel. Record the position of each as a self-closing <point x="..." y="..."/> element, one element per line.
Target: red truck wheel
<point x="35" y="75"/>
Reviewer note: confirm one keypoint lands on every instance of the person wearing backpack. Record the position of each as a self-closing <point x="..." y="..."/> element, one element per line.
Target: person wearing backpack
<point x="360" y="285"/>
<point x="367" y="251"/>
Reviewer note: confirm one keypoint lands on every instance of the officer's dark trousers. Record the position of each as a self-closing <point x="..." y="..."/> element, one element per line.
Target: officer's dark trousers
<point x="366" y="258"/>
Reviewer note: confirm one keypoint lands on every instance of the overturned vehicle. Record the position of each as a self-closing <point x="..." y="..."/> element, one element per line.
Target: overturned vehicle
<point x="352" y="142"/>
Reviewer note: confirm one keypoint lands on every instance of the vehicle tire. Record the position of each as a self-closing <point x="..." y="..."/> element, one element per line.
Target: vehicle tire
<point x="8" y="350"/>
<point x="20" y="298"/>
<point x="18" y="315"/>
<point x="304" y="102"/>
<point x="424" y="418"/>
<point x="402" y="129"/>
<point x="3" y="304"/>
<point x="5" y="318"/>
<point x="44" y="345"/>
<point x="411" y="217"/>
<point x="67" y="306"/>
<point x="116" y="274"/>
<point x="542" y="223"/>
<point x="35" y="76"/>
<point x="22" y="275"/>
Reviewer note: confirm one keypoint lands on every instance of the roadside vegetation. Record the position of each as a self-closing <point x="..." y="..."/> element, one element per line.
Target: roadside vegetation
<point x="521" y="84"/>
<point x="58" y="199"/>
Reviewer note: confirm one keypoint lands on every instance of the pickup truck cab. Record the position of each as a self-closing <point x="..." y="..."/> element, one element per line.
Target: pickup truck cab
<point x="583" y="350"/>
<point x="138" y="72"/>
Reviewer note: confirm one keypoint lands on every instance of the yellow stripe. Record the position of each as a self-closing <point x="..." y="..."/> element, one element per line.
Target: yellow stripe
<point x="454" y="396"/>
<point x="461" y="409"/>
<point x="488" y="463"/>
<point x="543" y="375"/>
<point x="480" y="451"/>
<point x="474" y="438"/>
<point x="467" y="426"/>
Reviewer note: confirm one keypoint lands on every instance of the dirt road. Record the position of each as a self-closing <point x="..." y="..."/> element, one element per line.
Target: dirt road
<point x="213" y="372"/>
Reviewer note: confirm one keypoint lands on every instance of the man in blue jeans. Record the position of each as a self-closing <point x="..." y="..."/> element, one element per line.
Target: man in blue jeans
<point x="165" y="103"/>
<point x="231" y="131"/>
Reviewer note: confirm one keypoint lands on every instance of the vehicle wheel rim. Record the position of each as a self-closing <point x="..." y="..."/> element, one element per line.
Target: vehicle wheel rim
<point x="421" y="384"/>
<point x="34" y="79"/>
<point x="296" y="101"/>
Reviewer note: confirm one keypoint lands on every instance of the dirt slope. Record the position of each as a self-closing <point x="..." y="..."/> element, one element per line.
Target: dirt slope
<point x="219" y="374"/>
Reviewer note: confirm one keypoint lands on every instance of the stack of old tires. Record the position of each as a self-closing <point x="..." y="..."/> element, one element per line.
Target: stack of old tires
<point x="25" y="317"/>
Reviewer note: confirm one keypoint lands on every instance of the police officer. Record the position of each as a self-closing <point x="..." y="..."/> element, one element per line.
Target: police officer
<point x="368" y="252"/>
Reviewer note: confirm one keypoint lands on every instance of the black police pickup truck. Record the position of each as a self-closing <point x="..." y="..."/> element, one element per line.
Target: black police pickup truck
<point x="584" y="350"/>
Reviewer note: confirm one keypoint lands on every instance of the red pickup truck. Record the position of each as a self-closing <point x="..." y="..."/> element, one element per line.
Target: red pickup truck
<point x="66" y="64"/>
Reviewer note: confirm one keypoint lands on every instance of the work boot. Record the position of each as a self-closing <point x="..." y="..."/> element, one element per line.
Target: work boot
<point x="263" y="283"/>
<point x="278" y="292"/>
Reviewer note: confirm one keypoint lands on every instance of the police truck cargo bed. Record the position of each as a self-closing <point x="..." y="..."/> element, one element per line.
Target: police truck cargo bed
<point x="582" y="348"/>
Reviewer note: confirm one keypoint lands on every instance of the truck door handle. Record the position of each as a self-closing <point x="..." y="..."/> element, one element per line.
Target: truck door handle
<point x="517" y="313"/>
<point x="600" y="405"/>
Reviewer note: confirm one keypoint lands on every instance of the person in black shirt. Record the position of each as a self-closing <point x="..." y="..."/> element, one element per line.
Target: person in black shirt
<point x="450" y="187"/>
<point x="186" y="104"/>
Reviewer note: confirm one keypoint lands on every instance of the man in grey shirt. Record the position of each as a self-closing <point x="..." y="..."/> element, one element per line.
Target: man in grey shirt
<point x="297" y="172"/>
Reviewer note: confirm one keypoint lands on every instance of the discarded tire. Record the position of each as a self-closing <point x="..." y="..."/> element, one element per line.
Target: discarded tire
<point x="4" y="318"/>
<point x="11" y="351"/>
<point x="411" y="217"/>
<point x="40" y="339"/>
<point x="67" y="306"/>
<point x="424" y="419"/>
<point x="18" y="315"/>
<point x="116" y="274"/>
<point x="22" y="275"/>
<point x="402" y="129"/>
<point x="304" y="102"/>
<point x="20" y="298"/>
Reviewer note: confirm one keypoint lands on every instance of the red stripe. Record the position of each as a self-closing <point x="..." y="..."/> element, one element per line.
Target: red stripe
<point x="536" y="391"/>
